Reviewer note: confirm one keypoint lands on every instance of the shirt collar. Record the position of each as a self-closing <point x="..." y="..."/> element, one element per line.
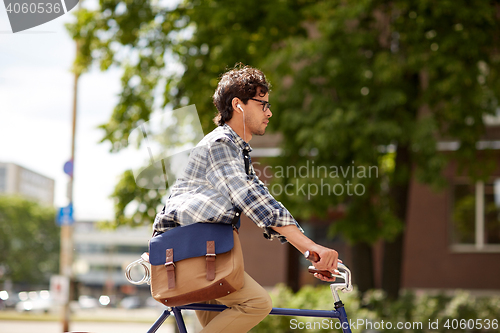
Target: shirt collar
<point x="236" y="138"/>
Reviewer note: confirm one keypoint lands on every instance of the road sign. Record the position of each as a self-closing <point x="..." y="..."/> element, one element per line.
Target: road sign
<point x="68" y="168"/>
<point x="59" y="288"/>
<point x="65" y="215"/>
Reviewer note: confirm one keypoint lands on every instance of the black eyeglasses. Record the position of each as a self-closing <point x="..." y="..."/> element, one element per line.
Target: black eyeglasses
<point x="265" y="104"/>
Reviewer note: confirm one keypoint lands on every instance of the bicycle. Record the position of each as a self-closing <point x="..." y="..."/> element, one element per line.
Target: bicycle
<point x="339" y="312"/>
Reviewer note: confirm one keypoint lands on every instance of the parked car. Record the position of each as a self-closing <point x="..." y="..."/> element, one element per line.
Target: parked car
<point x="34" y="301"/>
<point x="8" y="300"/>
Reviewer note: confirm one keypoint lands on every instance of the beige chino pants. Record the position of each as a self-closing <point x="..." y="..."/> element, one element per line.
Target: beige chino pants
<point x="246" y="308"/>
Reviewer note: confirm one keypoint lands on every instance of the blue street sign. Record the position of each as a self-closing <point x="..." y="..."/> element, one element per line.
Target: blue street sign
<point x="65" y="216"/>
<point x="68" y="168"/>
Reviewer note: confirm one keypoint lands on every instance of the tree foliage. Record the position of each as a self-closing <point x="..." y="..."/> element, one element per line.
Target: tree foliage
<point x="366" y="83"/>
<point x="29" y="240"/>
<point x="375" y="74"/>
<point x="351" y="80"/>
<point x="173" y="54"/>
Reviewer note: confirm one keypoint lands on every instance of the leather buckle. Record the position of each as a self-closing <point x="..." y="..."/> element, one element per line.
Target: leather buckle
<point x="169" y="263"/>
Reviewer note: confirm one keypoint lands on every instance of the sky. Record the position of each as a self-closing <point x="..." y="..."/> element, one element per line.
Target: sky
<point x="36" y="93"/>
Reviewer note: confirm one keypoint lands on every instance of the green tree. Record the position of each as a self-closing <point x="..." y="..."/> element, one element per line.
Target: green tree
<point x="355" y="83"/>
<point x="29" y="240"/>
<point x="176" y="52"/>
<point x="376" y="74"/>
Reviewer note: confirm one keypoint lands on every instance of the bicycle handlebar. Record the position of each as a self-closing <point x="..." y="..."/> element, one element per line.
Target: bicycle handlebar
<point x="314" y="257"/>
<point x="344" y="272"/>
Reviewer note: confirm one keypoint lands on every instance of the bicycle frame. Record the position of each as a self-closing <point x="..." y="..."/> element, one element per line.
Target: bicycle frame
<point x="339" y="312"/>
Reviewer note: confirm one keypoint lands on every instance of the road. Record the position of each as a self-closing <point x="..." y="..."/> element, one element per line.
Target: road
<point x="9" y="326"/>
<point x="96" y="321"/>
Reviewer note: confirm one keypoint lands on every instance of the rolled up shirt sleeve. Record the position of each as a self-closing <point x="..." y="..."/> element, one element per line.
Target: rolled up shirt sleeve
<point x="226" y="172"/>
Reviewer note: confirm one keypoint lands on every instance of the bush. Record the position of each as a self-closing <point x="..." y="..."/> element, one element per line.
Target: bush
<point x="422" y="312"/>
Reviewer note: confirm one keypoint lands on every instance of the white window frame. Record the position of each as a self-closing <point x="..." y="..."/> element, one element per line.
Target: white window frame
<point x="479" y="245"/>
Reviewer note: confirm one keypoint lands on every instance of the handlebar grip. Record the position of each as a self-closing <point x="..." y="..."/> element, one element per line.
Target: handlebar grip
<point x="312" y="256"/>
<point x="313" y="270"/>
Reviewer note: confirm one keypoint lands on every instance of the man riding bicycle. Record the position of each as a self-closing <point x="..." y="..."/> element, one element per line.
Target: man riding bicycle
<point x="219" y="183"/>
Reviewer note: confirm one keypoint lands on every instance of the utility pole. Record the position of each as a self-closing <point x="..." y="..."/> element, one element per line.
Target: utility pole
<point x="66" y="259"/>
<point x="66" y="268"/>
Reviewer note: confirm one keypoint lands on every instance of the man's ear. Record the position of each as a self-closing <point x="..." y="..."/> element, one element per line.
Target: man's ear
<point x="234" y="104"/>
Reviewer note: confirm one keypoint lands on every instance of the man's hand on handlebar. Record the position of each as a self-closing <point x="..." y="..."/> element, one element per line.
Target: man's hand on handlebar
<point x="328" y="260"/>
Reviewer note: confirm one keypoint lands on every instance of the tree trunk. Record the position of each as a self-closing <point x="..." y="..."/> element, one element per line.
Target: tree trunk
<point x="362" y="258"/>
<point x="293" y="269"/>
<point x="392" y="265"/>
<point x="393" y="250"/>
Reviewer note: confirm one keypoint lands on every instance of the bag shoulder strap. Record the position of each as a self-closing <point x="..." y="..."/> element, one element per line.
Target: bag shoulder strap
<point x="247" y="160"/>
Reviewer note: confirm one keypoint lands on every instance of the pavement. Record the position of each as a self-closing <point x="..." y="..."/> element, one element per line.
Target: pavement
<point x="94" y="321"/>
<point x="8" y="326"/>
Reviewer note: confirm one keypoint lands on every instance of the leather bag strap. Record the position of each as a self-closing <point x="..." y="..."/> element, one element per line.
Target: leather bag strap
<point x="210" y="260"/>
<point x="170" y="266"/>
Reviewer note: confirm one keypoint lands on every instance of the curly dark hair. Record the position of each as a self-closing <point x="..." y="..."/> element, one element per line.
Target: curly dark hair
<point x="242" y="82"/>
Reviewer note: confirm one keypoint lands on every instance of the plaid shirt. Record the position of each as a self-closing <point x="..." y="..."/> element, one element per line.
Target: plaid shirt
<point x="214" y="183"/>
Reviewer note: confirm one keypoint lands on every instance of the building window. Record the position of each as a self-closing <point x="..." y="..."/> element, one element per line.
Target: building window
<point x="476" y="217"/>
<point x="3" y="181"/>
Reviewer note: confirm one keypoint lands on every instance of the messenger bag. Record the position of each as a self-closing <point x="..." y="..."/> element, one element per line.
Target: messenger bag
<point x="195" y="263"/>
